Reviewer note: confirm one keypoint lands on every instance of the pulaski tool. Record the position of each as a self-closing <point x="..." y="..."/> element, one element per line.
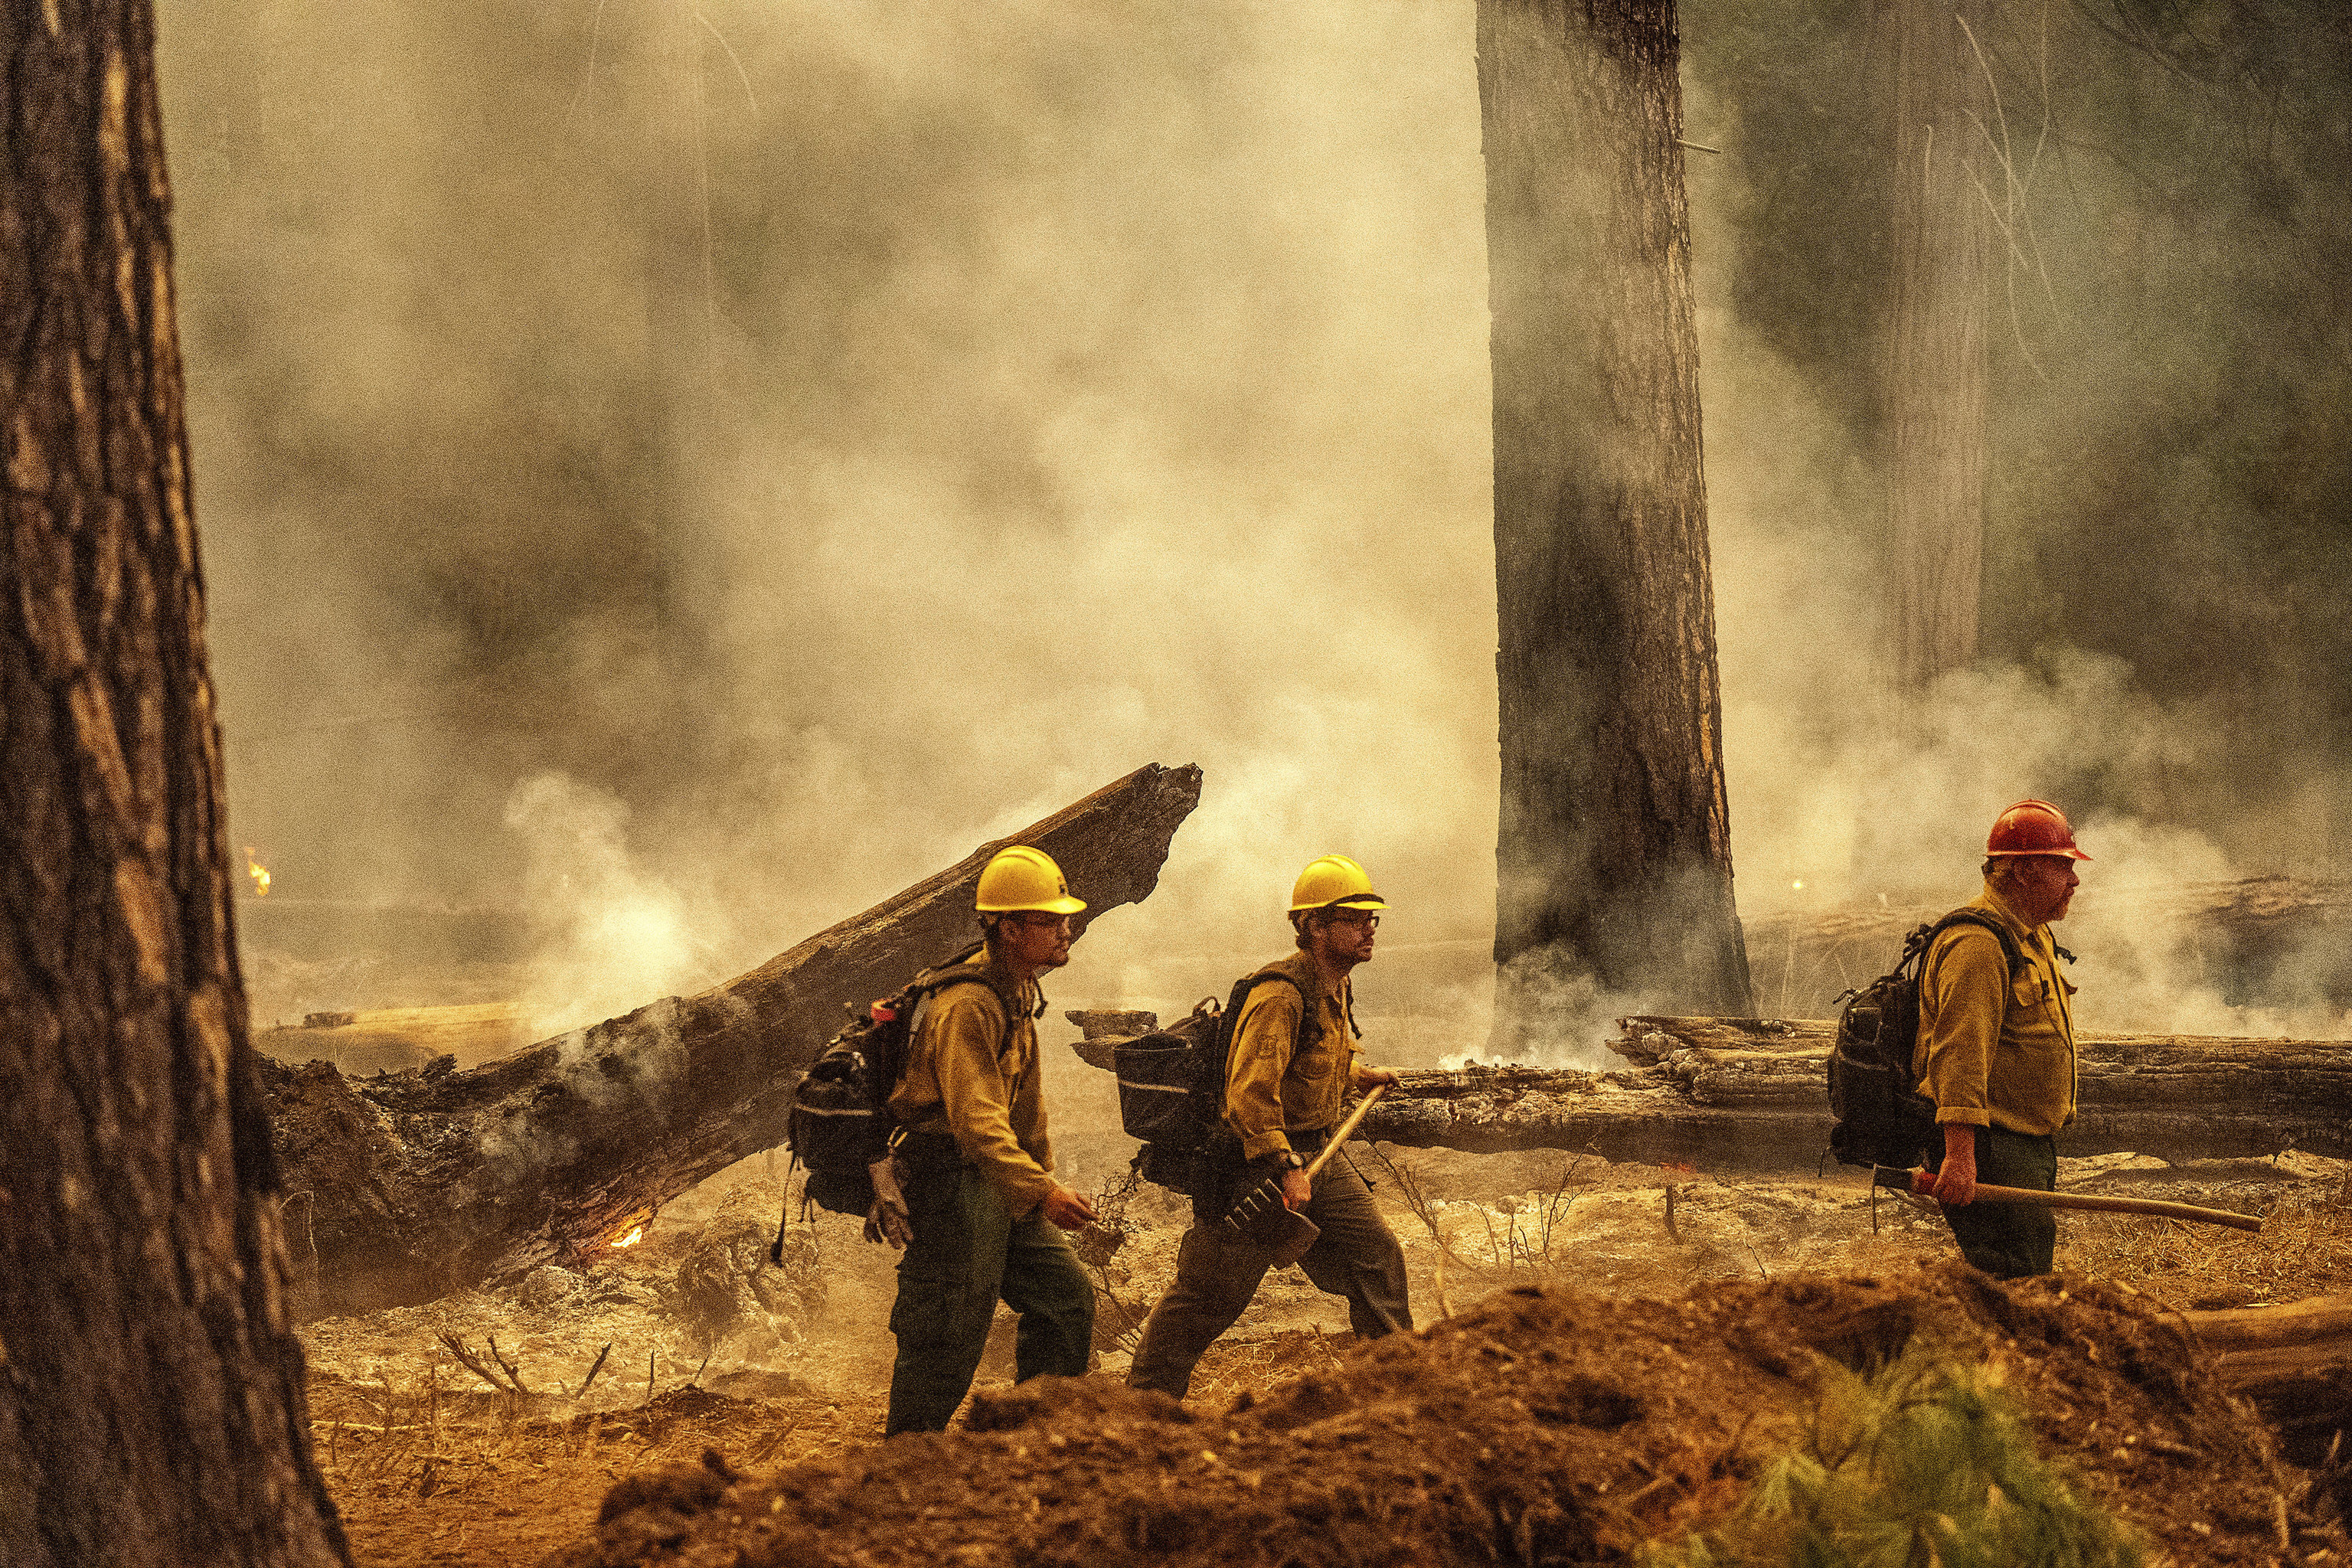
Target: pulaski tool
<point x="1265" y="1219"/>
<point x="1922" y="1184"/>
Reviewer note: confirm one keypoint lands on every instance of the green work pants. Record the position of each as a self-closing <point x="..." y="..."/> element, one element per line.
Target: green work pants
<point x="2008" y="1241"/>
<point x="968" y="1252"/>
<point x="1218" y="1270"/>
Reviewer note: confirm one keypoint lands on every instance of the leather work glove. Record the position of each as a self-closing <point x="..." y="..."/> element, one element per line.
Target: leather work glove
<point x="887" y="1220"/>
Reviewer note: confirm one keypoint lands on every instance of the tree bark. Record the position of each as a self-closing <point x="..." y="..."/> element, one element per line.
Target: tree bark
<point x="2294" y="1363"/>
<point x="1934" y="377"/>
<point x="1753" y="1094"/>
<point x="1615" y="855"/>
<point x="417" y="1184"/>
<point x="1750" y="1094"/>
<point x="152" y="1403"/>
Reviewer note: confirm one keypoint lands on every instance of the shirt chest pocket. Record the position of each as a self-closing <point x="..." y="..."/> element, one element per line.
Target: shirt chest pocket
<point x="2028" y="995"/>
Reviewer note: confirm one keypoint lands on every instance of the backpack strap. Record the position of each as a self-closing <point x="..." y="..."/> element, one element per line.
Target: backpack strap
<point x="967" y="973"/>
<point x="968" y="963"/>
<point x="1229" y="1028"/>
<point x="1968" y="915"/>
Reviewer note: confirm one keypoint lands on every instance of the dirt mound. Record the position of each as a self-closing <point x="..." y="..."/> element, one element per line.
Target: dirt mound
<point x="1548" y="1424"/>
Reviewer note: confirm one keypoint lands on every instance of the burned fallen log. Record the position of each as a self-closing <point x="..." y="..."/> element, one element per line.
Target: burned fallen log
<point x="1626" y="1115"/>
<point x="2294" y="1363"/>
<point x="1723" y="1094"/>
<point x="408" y="1186"/>
<point x="2173" y="1095"/>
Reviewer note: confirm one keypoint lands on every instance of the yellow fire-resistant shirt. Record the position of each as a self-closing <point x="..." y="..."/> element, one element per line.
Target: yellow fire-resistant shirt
<point x="1996" y="1050"/>
<point x="973" y="1074"/>
<point x="1282" y="1078"/>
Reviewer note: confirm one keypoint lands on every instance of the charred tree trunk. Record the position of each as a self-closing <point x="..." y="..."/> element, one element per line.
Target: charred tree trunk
<point x="1933" y="375"/>
<point x="1614" y="857"/>
<point x="151" y="1403"/>
<point x="418" y="1184"/>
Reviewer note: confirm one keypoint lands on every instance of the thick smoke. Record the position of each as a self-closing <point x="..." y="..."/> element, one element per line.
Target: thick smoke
<point x="678" y="477"/>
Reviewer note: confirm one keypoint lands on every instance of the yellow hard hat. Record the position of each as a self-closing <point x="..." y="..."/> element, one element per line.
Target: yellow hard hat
<point x="1334" y="880"/>
<point x="1020" y="878"/>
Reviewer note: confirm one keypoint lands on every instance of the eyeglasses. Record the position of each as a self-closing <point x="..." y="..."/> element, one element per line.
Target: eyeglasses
<point x="1030" y="919"/>
<point x="1348" y="917"/>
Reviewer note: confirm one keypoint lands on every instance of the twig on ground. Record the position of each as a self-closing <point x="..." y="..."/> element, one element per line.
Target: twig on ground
<point x="597" y="1367"/>
<point x="512" y="1371"/>
<point x="473" y="1363"/>
<point x="770" y="1446"/>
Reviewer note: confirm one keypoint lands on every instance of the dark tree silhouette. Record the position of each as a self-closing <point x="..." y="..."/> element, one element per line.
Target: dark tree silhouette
<point x="151" y="1406"/>
<point x="1615" y="852"/>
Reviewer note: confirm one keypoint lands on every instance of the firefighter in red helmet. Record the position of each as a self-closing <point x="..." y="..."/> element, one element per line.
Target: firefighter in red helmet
<point x="1997" y="1043"/>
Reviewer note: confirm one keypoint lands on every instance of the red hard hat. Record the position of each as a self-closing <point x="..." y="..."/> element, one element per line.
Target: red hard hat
<point x="2032" y="828"/>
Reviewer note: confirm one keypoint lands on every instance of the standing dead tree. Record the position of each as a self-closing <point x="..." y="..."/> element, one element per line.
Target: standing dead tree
<point x="152" y="1400"/>
<point x="429" y="1180"/>
<point x="1934" y="371"/>
<point x="1615" y="848"/>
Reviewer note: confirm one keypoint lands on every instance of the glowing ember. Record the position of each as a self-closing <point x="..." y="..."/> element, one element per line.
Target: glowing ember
<point x="258" y="872"/>
<point x="635" y="1235"/>
<point x="1799" y="887"/>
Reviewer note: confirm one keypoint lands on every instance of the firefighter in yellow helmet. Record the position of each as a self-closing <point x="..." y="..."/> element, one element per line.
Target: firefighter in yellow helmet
<point x="1293" y="1062"/>
<point x="985" y="1212"/>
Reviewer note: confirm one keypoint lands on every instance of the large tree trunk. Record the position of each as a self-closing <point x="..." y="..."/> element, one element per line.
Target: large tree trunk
<point x="1934" y="369"/>
<point x="152" y="1405"/>
<point x="1614" y="858"/>
<point x="417" y="1184"/>
<point x="1747" y="1094"/>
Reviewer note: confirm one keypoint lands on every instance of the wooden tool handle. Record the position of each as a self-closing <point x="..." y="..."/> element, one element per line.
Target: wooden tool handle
<point x="1924" y="1184"/>
<point x="1339" y="1134"/>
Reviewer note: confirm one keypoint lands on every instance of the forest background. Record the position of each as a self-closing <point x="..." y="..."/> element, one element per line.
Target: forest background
<point x="671" y="477"/>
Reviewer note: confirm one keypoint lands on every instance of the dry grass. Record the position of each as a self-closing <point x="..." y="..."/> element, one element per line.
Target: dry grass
<point x="1231" y="1365"/>
<point x="426" y="1471"/>
<point x="2305" y="1248"/>
<point x="1492" y="1241"/>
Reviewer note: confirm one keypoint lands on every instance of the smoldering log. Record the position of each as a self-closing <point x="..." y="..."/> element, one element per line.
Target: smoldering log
<point x="1745" y="1093"/>
<point x="2293" y="1361"/>
<point x="408" y="1186"/>
<point x="1730" y="1094"/>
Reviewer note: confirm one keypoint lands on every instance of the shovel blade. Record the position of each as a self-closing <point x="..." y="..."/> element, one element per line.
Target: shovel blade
<point x="1264" y="1220"/>
<point x="1297" y="1233"/>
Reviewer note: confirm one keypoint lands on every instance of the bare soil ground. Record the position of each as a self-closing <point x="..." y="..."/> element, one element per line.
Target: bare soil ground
<point x="1547" y="1424"/>
<point x="1668" y="1334"/>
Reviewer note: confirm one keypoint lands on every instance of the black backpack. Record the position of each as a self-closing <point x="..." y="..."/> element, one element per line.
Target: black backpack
<point x="840" y="1119"/>
<point x="1882" y="1117"/>
<point x="1171" y="1090"/>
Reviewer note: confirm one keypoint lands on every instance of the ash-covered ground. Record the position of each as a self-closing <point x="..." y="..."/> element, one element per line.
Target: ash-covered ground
<point x="713" y="1348"/>
<point x="783" y="1371"/>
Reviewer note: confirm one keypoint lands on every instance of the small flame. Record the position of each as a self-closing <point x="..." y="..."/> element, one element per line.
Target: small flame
<point x="634" y="1236"/>
<point x="1798" y="886"/>
<point x="258" y="872"/>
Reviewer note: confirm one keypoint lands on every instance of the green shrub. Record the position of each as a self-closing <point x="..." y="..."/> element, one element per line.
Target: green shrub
<point x="1922" y="1464"/>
